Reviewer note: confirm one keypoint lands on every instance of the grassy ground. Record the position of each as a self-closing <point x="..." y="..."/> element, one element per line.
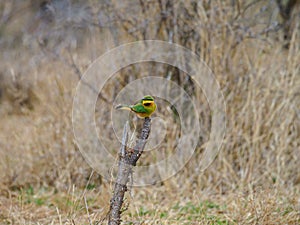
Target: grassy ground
<point x="149" y="206"/>
<point x="44" y="179"/>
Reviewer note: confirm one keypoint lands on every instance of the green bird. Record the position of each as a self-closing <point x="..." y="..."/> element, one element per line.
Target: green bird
<point x="143" y="108"/>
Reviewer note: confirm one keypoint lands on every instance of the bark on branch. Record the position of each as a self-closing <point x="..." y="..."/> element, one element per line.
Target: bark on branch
<point x="127" y="160"/>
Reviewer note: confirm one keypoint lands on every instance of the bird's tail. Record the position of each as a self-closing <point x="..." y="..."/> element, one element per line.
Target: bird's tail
<point x="123" y="107"/>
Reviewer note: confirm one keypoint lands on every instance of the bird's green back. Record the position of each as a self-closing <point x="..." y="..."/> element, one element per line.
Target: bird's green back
<point x="139" y="108"/>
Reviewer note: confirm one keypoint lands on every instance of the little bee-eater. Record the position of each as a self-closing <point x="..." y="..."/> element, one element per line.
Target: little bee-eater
<point x="143" y="108"/>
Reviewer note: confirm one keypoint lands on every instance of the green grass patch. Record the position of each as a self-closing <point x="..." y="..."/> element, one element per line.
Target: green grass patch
<point x="208" y="212"/>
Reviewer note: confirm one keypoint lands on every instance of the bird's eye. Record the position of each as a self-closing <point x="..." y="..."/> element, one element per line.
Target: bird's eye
<point x="147" y="104"/>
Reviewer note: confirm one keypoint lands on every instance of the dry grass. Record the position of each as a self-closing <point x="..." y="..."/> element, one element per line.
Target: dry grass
<point x="254" y="180"/>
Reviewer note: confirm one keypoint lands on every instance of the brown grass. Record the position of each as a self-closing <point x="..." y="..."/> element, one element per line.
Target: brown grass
<point x="255" y="178"/>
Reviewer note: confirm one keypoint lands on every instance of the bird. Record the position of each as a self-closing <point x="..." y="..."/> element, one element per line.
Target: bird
<point x="143" y="108"/>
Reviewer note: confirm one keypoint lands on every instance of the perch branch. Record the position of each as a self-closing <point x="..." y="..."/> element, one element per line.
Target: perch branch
<point x="127" y="160"/>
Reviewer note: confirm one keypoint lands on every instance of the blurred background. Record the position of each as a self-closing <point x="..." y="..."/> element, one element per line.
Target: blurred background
<point x="253" y="48"/>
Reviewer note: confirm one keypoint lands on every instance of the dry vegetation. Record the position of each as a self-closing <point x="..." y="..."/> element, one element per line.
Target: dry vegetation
<point x="254" y="51"/>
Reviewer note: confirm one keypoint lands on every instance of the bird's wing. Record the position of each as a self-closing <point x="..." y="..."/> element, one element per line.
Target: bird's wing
<point x="139" y="108"/>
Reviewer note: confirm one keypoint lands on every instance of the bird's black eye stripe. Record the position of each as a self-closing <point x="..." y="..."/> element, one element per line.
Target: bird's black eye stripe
<point x="147" y="104"/>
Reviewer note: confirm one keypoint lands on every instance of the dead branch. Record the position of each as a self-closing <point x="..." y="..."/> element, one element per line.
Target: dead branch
<point x="127" y="160"/>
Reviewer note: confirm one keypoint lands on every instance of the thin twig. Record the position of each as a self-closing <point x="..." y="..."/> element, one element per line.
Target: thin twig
<point x="87" y="210"/>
